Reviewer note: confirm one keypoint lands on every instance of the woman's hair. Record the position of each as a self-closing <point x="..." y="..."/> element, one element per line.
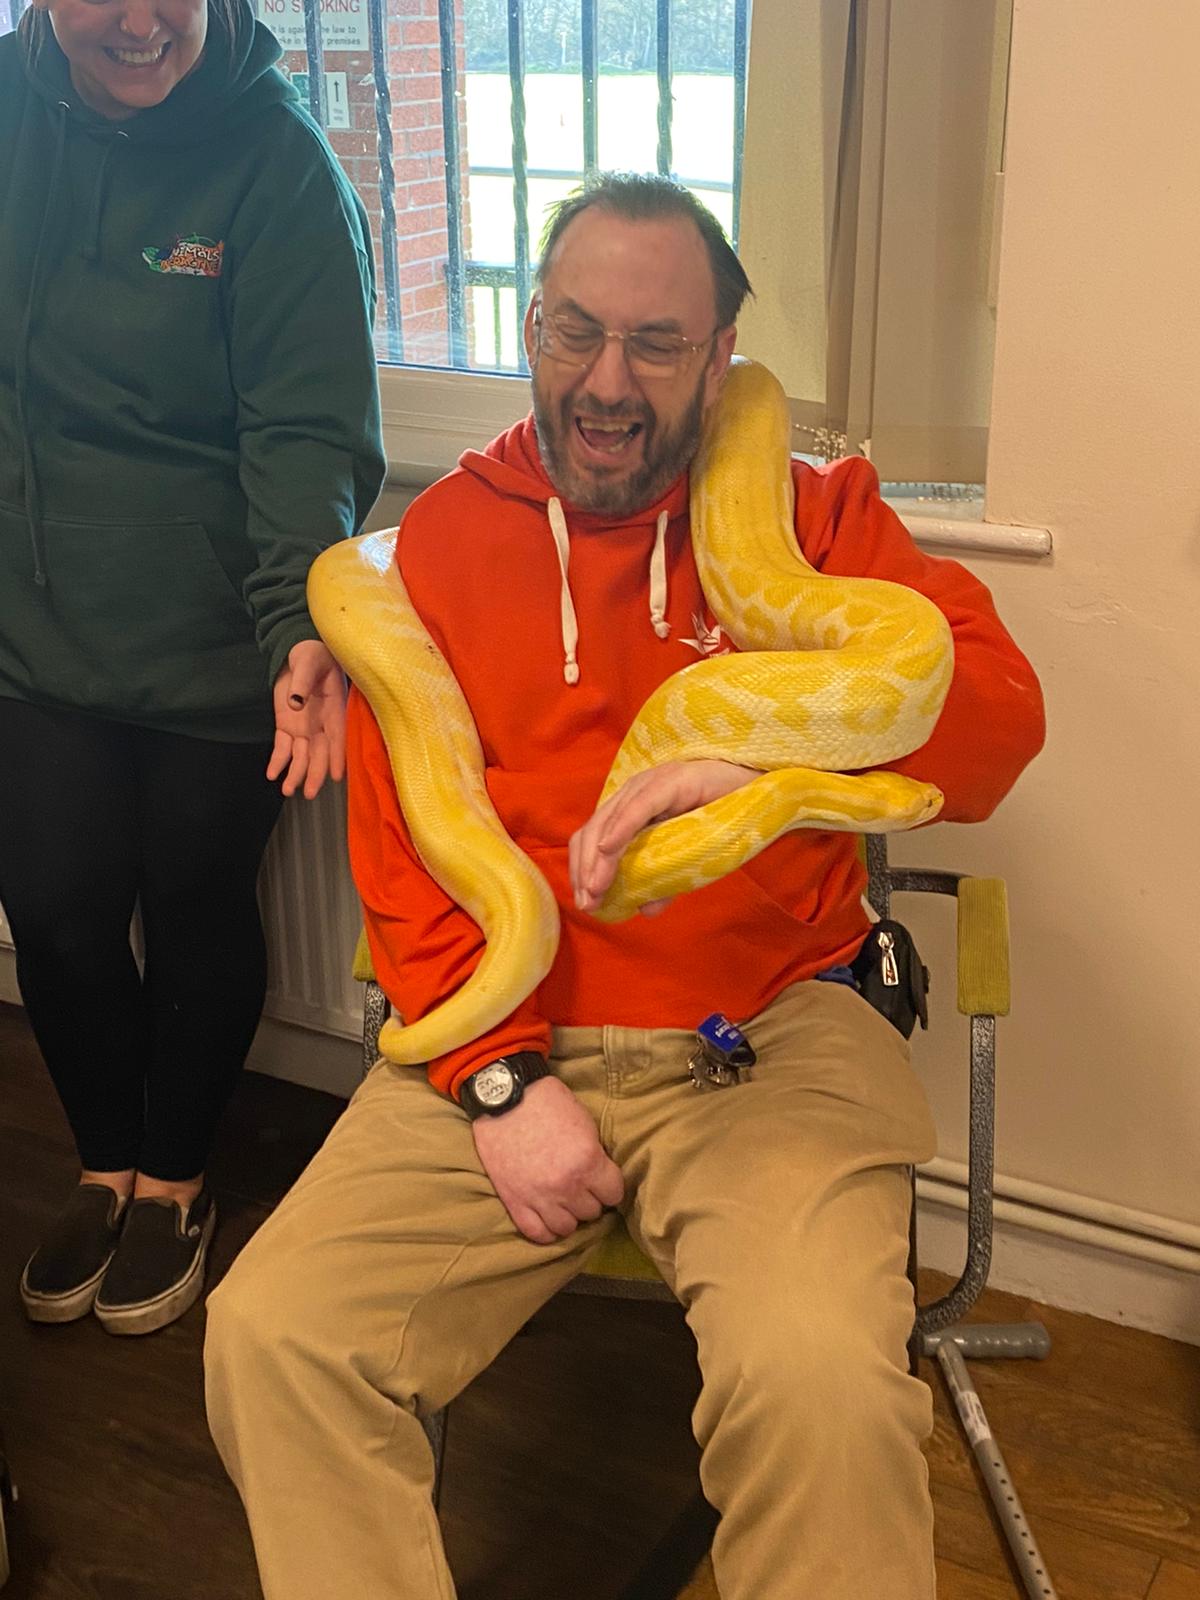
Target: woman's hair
<point x="646" y="197"/>
<point x="34" y="26"/>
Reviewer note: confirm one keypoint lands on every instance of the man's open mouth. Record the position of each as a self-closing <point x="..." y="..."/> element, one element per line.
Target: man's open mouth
<point x="610" y="438"/>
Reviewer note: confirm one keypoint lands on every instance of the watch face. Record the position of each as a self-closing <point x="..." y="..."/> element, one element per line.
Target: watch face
<point x="493" y="1085"/>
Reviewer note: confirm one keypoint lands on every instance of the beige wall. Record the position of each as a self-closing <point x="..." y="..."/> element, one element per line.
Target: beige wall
<point x="1096" y="434"/>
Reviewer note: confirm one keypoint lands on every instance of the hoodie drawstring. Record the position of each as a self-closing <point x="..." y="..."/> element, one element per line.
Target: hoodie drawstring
<point x="91" y="247"/>
<point x="33" y="506"/>
<point x="570" y="623"/>
<point x="658" y="579"/>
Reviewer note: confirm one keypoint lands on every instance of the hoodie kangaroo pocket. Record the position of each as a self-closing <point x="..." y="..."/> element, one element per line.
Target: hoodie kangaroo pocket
<point x="135" y="619"/>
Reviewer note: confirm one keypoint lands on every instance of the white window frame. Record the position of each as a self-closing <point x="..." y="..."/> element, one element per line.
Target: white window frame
<point x="431" y="415"/>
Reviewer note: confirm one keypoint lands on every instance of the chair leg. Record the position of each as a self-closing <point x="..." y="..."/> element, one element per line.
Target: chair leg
<point x="435" y="1431"/>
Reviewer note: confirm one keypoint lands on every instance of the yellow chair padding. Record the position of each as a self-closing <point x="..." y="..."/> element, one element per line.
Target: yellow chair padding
<point x="984" y="984"/>
<point x="364" y="968"/>
<point x="619" y="1257"/>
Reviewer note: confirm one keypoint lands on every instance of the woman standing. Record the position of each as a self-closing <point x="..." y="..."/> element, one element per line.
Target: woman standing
<point x="188" y="414"/>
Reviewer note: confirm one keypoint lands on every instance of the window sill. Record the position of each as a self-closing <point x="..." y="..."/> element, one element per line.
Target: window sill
<point x="430" y="417"/>
<point x="972" y="534"/>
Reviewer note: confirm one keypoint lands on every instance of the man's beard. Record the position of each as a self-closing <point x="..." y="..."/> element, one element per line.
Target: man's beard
<point x="664" y="456"/>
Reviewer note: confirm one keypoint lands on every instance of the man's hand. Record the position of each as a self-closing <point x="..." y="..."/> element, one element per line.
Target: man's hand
<point x="310" y="720"/>
<point x="667" y="791"/>
<point x="546" y="1162"/>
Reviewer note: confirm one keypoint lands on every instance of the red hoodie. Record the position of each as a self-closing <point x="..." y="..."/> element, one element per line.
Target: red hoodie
<point x="479" y="558"/>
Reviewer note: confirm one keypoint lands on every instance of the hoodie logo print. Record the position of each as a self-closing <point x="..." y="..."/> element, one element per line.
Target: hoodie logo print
<point x="708" y="640"/>
<point x="192" y="255"/>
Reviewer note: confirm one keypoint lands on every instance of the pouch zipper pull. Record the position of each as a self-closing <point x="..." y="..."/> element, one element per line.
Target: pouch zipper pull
<point x="889" y="969"/>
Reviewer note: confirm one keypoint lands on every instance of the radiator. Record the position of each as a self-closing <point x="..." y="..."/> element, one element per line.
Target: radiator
<point x="312" y="918"/>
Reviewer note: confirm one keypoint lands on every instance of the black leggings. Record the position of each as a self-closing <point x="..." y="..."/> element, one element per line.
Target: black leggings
<point x="96" y="817"/>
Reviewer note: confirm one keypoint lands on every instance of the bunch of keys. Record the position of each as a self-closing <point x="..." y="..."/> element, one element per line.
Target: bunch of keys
<point x="723" y="1054"/>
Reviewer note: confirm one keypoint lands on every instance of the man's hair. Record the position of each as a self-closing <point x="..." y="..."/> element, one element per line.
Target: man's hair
<point x="648" y="197"/>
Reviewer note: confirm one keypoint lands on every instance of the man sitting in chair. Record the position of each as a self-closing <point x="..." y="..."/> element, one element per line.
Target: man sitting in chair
<point x="555" y="572"/>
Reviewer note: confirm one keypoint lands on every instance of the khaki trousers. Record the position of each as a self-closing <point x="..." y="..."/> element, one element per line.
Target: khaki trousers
<point x="777" y="1210"/>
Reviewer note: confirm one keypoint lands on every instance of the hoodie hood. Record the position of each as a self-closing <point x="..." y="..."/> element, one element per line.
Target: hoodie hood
<point x="236" y="79"/>
<point x="512" y="467"/>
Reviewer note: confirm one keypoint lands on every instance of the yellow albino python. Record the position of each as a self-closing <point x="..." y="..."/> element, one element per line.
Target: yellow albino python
<point x="835" y="675"/>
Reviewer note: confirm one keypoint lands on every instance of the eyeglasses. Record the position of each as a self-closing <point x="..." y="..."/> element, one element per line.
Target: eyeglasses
<point x="577" y="342"/>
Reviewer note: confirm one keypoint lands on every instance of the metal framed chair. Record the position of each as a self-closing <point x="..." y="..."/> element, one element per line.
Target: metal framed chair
<point x="619" y="1270"/>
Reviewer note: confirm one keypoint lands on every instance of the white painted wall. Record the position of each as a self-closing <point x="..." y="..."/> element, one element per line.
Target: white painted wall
<point x="1095" y="433"/>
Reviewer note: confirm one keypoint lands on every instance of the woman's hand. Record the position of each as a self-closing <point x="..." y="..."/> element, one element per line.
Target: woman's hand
<point x="310" y="720"/>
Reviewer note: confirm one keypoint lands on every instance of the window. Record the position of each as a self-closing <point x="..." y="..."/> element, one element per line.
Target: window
<point x="460" y="121"/>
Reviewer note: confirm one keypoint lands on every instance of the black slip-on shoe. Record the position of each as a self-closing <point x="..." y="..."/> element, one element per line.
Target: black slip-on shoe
<point x="64" y="1273"/>
<point x="158" y="1269"/>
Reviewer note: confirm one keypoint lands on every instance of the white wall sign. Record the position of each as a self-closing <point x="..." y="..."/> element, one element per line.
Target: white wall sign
<point x="337" y="99"/>
<point x="343" y="23"/>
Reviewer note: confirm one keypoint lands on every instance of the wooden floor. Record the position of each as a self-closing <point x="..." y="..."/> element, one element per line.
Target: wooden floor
<point x="569" y="1458"/>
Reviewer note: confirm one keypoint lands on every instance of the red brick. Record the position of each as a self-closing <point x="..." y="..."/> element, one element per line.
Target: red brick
<point x="417" y="274"/>
<point x="428" y="115"/>
<point x="415" y="114"/>
<point x="425" y="139"/>
<point x="414" y="85"/>
<point x="420" y="246"/>
<point x="422" y="59"/>
<point x="429" y="298"/>
<point x="416" y="220"/>
<point x="427" y="329"/>
<point x="427" y="194"/>
<point x="411" y="169"/>
<point x="348" y="144"/>
<point x="421" y="32"/>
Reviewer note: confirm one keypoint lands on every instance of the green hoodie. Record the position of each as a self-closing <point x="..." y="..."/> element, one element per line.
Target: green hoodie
<point x="188" y="400"/>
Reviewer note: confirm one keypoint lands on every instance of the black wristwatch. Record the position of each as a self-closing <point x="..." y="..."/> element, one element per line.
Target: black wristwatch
<point x="492" y="1090"/>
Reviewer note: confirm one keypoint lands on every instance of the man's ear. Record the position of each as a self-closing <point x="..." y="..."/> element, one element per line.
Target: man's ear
<point x="530" y="337"/>
<point x="718" y="365"/>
